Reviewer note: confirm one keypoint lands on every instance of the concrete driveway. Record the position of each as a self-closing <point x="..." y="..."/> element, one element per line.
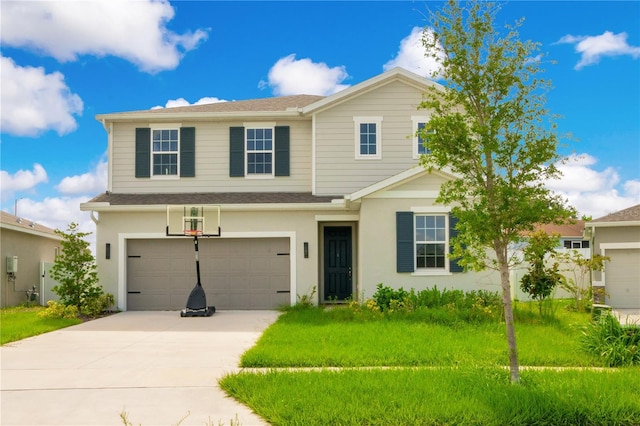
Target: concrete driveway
<point x="155" y="366"/>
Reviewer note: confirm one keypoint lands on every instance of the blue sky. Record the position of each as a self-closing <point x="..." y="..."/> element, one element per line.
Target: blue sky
<point x="63" y="63"/>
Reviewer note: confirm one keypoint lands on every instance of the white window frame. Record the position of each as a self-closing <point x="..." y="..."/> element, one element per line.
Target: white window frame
<point x="257" y="126"/>
<point x="377" y="120"/>
<point x="416" y="120"/>
<point x="160" y="127"/>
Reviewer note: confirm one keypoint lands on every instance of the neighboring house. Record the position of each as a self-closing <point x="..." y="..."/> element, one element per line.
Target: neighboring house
<point x="617" y="236"/>
<point x="571" y="238"/>
<point x="315" y="192"/>
<point x="25" y="248"/>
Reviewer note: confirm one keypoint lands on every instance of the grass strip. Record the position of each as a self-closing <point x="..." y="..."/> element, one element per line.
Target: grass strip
<point x="446" y="396"/>
<point x="341" y="338"/>
<point x="20" y="322"/>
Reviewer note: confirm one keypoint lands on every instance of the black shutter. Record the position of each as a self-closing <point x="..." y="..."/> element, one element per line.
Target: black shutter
<point x="404" y="242"/>
<point x="236" y="151"/>
<point x="282" y="151"/>
<point x="143" y="152"/>
<point x="453" y="263"/>
<point x="187" y="152"/>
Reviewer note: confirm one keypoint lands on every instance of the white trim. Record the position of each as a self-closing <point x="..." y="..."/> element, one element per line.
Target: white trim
<point x="613" y="246"/>
<point x="357" y="121"/>
<point x="415" y="120"/>
<point x="313" y="154"/>
<point x="258" y="124"/>
<point x="431" y="209"/>
<point x="398" y="179"/>
<point x="262" y="126"/>
<point x="109" y="157"/>
<point x="164" y="126"/>
<point x="159" y="126"/>
<point x="337" y="218"/>
<point x="612" y="224"/>
<point x="427" y="211"/>
<point x="335" y="205"/>
<point x="122" y="256"/>
<point x="406" y="194"/>
<point x="394" y="74"/>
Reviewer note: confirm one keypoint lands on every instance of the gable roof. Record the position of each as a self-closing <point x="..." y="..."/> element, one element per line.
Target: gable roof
<point x="15" y="223"/>
<point x="396" y="180"/>
<point x="626" y="217"/>
<point x="564" y="230"/>
<point x="395" y="74"/>
<point x="281" y="106"/>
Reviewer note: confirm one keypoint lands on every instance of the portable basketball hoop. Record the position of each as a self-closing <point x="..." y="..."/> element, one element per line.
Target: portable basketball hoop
<point x="194" y="221"/>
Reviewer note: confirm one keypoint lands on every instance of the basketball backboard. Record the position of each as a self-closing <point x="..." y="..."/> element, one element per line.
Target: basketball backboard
<point x="193" y="220"/>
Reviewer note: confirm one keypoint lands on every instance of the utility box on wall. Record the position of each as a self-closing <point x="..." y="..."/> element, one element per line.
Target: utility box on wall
<point x="12" y="264"/>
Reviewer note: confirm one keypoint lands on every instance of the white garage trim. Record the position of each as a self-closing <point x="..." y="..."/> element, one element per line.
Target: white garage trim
<point x="122" y="258"/>
<point x="612" y="246"/>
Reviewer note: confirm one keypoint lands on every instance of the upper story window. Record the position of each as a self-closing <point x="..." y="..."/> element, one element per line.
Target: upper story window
<point x="368" y="137"/>
<point x="259" y="151"/>
<point x="419" y="123"/>
<point x="165" y="143"/>
<point x="165" y="150"/>
<point x="431" y="241"/>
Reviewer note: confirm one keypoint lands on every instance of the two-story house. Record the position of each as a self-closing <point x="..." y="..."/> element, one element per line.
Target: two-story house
<point x="314" y="192"/>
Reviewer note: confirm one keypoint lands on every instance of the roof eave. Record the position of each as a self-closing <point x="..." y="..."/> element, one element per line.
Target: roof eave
<point x="186" y="116"/>
<point x="335" y="205"/>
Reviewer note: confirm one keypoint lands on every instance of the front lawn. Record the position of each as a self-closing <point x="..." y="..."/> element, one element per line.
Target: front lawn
<point x="440" y="396"/>
<point x="340" y="337"/>
<point x="429" y="367"/>
<point x="20" y="322"/>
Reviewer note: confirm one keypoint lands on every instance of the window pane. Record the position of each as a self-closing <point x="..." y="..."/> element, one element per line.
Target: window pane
<point x="156" y="135"/>
<point x="251" y="134"/>
<point x="440" y="221"/>
<point x="165" y="164"/>
<point x="174" y="135"/>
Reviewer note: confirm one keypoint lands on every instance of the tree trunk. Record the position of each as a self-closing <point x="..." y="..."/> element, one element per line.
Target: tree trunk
<point x="514" y="367"/>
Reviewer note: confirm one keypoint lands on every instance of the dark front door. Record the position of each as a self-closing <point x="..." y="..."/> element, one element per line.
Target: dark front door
<point x="337" y="263"/>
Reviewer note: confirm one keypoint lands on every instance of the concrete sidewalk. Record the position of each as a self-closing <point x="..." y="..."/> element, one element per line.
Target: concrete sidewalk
<point x="155" y="366"/>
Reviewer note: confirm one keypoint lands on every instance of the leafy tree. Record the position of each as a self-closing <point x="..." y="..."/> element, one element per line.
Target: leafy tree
<point x="541" y="279"/>
<point x="490" y="128"/>
<point x="75" y="270"/>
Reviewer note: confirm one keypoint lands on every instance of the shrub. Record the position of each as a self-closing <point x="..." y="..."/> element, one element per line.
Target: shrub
<point x="58" y="310"/>
<point x="97" y="305"/>
<point x="442" y="306"/>
<point x="613" y="343"/>
<point x="75" y="269"/>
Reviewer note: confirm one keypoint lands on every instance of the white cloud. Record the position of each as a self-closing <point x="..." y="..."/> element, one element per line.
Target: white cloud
<point x="592" y="192"/>
<point x="291" y="76"/>
<point x="22" y="180"/>
<point x="34" y="101"/>
<point x="593" y="48"/>
<point x="58" y="213"/>
<point x="172" y="103"/>
<point x="93" y="181"/>
<point x="132" y="30"/>
<point x="411" y="54"/>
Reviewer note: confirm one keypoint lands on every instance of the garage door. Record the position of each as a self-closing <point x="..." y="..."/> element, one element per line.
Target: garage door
<point x="623" y="278"/>
<point x="235" y="273"/>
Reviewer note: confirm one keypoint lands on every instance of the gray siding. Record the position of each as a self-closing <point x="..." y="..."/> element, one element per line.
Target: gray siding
<point x="212" y="162"/>
<point x="338" y="172"/>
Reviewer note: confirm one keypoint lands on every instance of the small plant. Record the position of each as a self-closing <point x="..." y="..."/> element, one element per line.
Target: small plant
<point x="579" y="285"/>
<point x="58" y="310"/>
<point x="75" y="269"/>
<point x="387" y="298"/>
<point x="613" y="343"/>
<point x="540" y="280"/>
<point x="98" y="305"/>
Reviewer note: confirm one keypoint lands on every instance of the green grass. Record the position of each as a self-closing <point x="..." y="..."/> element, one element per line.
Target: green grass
<point x="440" y="396"/>
<point x="18" y="323"/>
<point x="442" y="369"/>
<point x="342" y="338"/>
